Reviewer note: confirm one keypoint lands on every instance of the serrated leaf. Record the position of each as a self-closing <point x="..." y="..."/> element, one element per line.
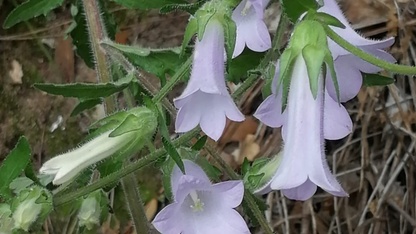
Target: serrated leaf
<point x="85" y="105"/>
<point x="328" y="19"/>
<point x="30" y="9"/>
<point x="191" y="8"/>
<point x="14" y="164"/>
<point x="376" y="79"/>
<point x="84" y="90"/>
<point x="314" y="57"/>
<point x="190" y="31"/>
<point x="147" y="4"/>
<point x="230" y="33"/>
<point x="295" y="8"/>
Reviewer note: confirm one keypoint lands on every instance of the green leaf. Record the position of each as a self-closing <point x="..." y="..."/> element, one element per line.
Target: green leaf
<point x="199" y="144"/>
<point x="85" y="105"/>
<point x="295" y="8"/>
<point x="86" y="90"/>
<point x="239" y="66"/>
<point x="314" y="57"/>
<point x="30" y="9"/>
<point x="191" y="8"/>
<point x="136" y="50"/>
<point x="190" y="31"/>
<point x="146" y="4"/>
<point x="376" y="79"/>
<point x="230" y="33"/>
<point x="14" y="164"/>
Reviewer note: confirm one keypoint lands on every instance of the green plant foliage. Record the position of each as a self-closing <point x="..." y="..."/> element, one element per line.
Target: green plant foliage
<point x="30" y="9"/>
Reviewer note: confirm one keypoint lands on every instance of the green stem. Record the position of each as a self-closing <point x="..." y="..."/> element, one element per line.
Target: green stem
<point x="132" y="195"/>
<point x="183" y="70"/>
<point x="248" y="197"/>
<point x="130" y="168"/>
<point x="97" y="33"/>
<point x="395" y="68"/>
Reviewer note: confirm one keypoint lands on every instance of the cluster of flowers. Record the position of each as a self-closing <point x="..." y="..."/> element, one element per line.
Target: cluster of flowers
<point x="307" y="120"/>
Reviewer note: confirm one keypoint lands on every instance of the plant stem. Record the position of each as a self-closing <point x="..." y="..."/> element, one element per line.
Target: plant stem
<point x="132" y="195"/>
<point x="183" y="70"/>
<point x="130" y="168"/>
<point x="97" y="32"/>
<point x="394" y="68"/>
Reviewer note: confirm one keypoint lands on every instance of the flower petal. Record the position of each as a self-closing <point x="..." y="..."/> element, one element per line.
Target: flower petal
<point x="219" y="221"/>
<point x="189" y="115"/>
<point x="169" y="220"/>
<point x="348" y="76"/>
<point x="270" y="111"/>
<point x="230" y="193"/>
<point x="191" y="169"/>
<point x="337" y="121"/>
<point x="302" y="193"/>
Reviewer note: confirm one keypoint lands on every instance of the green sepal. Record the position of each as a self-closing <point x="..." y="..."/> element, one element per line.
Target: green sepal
<point x="314" y="57"/>
<point x="287" y="62"/>
<point x="330" y="63"/>
<point x="376" y="80"/>
<point x="261" y="172"/>
<point x="200" y="143"/>
<point x="203" y="17"/>
<point x="141" y="120"/>
<point x="190" y="31"/>
<point x="230" y="34"/>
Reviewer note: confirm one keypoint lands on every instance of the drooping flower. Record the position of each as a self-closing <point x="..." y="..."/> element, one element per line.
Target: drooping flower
<point x="303" y="166"/>
<point x="251" y="29"/>
<point x="205" y="100"/>
<point x="201" y="207"/>
<point x="133" y="127"/>
<point x="348" y="66"/>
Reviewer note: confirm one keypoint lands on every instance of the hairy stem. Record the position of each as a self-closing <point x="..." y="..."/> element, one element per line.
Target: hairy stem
<point x="395" y="68"/>
<point x="97" y="32"/>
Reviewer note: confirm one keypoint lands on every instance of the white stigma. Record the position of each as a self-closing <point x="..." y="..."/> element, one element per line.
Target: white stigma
<point x="198" y="206"/>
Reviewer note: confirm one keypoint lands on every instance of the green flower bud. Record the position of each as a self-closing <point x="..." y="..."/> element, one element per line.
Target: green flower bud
<point x="31" y="205"/>
<point x="91" y="208"/>
<point x="6" y="221"/>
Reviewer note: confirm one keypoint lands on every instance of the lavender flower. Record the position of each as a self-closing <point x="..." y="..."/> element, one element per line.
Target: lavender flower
<point x="201" y="207"/>
<point x="205" y="100"/>
<point x="348" y="66"/>
<point x="251" y="29"/>
<point x="303" y="166"/>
